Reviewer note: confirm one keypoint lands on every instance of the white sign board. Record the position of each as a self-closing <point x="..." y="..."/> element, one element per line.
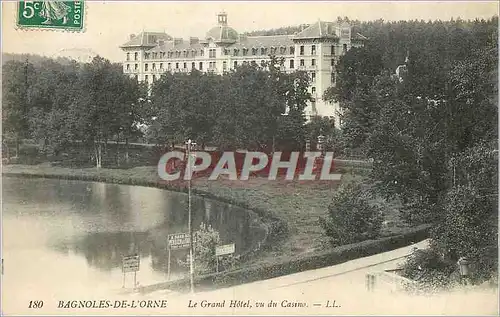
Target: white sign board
<point x="225" y="249"/>
<point x="130" y="263"/>
<point x="179" y="240"/>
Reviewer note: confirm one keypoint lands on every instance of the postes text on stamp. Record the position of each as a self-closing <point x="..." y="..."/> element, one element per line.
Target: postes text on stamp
<point x="64" y="15"/>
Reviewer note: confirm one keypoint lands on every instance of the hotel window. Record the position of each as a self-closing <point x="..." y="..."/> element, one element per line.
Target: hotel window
<point x="292" y="63"/>
<point x="136" y="56"/>
<point x="193" y="65"/>
<point x="146" y="67"/>
<point x="185" y="65"/>
<point x="161" y="65"/>
<point x="302" y="63"/>
<point x="128" y="56"/>
<point x="163" y="54"/>
<point x="273" y="50"/>
<point x="136" y="66"/>
<point x="178" y="54"/>
<point x="302" y="50"/>
<point x="262" y="51"/>
<point x="235" y="52"/>
<point x="292" y="50"/>
<point x="245" y="51"/>
<point x="224" y="66"/>
<point x="313" y="90"/>
<point x="169" y="66"/>
<point x="313" y="78"/>
<point x="202" y="53"/>
<point x="313" y="62"/>
<point x="146" y="55"/>
<point x="146" y="78"/>
<point x="254" y="51"/>
<point x="211" y="53"/>
<point x="128" y="66"/>
<point x="235" y="64"/>
<point x="154" y="65"/>
<point x="201" y="66"/>
<point x="344" y="48"/>
<point x="185" y="53"/>
<point x="176" y="65"/>
<point x="282" y="50"/>
<point x="333" y="78"/>
<point x="313" y="50"/>
<point x="155" y="55"/>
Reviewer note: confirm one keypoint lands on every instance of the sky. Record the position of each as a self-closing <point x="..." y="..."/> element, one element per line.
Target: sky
<point x="109" y="23"/>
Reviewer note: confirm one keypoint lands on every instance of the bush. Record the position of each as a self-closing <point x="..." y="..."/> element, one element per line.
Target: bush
<point x="351" y="216"/>
<point x="206" y="240"/>
<point x="431" y="271"/>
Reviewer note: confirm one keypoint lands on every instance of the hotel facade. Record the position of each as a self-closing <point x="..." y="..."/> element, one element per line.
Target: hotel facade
<point x="316" y="49"/>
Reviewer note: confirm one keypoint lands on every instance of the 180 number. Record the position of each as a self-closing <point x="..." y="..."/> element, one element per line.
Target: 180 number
<point x="36" y="304"/>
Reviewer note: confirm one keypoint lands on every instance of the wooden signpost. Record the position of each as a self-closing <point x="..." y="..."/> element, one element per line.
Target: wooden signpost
<point x="130" y="264"/>
<point x="223" y="250"/>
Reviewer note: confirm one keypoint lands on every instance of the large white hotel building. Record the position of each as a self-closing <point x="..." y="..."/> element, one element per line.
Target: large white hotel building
<point x="315" y="49"/>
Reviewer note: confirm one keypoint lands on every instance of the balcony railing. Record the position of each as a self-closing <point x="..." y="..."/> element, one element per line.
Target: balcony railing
<point x="312" y="67"/>
<point x="301" y="68"/>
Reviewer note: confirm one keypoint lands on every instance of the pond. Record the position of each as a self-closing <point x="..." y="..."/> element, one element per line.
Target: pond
<point x="63" y="234"/>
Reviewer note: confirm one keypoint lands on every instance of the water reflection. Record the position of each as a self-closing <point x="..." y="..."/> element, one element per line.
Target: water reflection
<point x="104" y="222"/>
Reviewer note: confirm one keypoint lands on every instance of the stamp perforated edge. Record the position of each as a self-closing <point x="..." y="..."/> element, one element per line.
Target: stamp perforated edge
<point x="25" y="28"/>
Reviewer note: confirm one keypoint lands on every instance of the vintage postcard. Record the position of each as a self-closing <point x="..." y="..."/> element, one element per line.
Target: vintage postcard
<point x="249" y="158"/>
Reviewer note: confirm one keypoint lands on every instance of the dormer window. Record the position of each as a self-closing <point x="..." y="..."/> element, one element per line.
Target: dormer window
<point x="245" y="51"/>
<point x="235" y="52"/>
<point x="254" y="51"/>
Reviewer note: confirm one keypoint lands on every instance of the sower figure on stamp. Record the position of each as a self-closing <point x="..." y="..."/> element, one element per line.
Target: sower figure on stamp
<point x="54" y="10"/>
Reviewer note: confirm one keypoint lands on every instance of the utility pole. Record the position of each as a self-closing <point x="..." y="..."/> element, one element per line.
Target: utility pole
<point x="189" y="143"/>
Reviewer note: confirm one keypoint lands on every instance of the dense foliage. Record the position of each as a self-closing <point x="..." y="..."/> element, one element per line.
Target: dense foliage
<point x="431" y="130"/>
<point x="60" y="104"/>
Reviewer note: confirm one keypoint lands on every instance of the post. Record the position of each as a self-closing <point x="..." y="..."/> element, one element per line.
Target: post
<point x="190" y="227"/>
<point x="168" y="268"/>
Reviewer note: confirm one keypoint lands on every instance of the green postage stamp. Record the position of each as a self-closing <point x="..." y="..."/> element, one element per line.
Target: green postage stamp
<point x="62" y="15"/>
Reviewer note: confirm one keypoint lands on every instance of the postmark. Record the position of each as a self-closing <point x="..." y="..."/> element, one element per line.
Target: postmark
<point x="56" y="15"/>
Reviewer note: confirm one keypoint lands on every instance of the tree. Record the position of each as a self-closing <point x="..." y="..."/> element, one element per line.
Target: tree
<point x="104" y="93"/>
<point x="352" y="217"/>
<point x="52" y="93"/>
<point x="16" y="103"/>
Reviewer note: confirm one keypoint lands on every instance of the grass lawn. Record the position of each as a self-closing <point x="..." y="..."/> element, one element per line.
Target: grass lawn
<point x="299" y="204"/>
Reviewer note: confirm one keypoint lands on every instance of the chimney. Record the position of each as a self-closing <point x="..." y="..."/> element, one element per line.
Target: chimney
<point x="177" y="41"/>
<point x="194" y="40"/>
<point x="131" y="36"/>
